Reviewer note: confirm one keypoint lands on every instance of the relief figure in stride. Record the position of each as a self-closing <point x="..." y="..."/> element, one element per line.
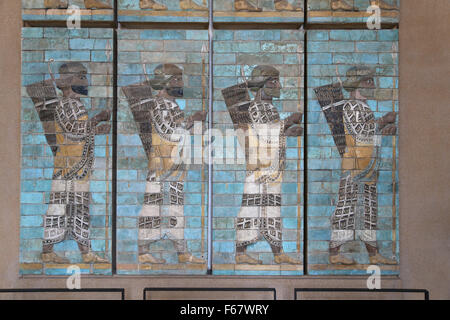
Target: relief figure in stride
<point x="357" y="134"/>
<point x="262" y="134"/>
<point x="163" y="129"/>
<point x="70" y="134"/>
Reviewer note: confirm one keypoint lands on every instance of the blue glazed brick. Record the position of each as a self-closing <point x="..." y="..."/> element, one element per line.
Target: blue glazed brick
<point x="318" y="35"/>
<point x="31" y="221"/>
<point x="31" y="233"/>
<point x="193" y="222"/>
<point x="128" y="210"/>
<point x="289" y="246"/>
<point x="82" y="44"/>
<point x="55" y="32"/>
<point x="319" y="58"/>
<point x="319" y="235"/>
<point x="290" y="223"/>
<point x="388" y="35"/>
<point x="32" y="209"/>
<point x="31" y="197"/>
<point x="257" y="35"/>
<point x="224" y="246"/>
<point x="355" y="35"/>
<point x="192" y="234"/>
<point x="192" y="210"/>
<point x="32" y="32"/>
<point x="128" y="234"/>
<point x="31" y="245"/>
<point x="196" y="35"/>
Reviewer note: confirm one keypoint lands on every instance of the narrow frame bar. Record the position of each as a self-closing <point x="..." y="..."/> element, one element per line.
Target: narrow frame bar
<point x="203" y="289"/>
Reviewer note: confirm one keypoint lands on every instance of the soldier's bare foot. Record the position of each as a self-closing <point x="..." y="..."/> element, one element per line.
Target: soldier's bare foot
<point x="340" y="259"/>
<point x="383" y="5"/>
<point x="93" y="258"/>
<point x="283" y="5"/>
<point x="341" y="5"/>
<point x="379" y="259"/>
<point x="52" y="257"/>
<point x="191" y="5"/>
<point x="189" y="258"/>
<point x="148" y="258"/>
<point x="244" y="5"/>
<point x="246" y="259"/>
<point x="96" y="4"/>
<point x="150" y="4"/>
<point x="56" y="4"/>
<point x="283" y="258"/>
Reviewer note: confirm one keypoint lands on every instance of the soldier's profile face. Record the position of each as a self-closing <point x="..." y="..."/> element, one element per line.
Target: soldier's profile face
<point x="272" y="87"/>
<point x="175" y="86"/>
<point x="367" y="88"/>
<point x="80" y="83"/>
<point x="367" y="83"/>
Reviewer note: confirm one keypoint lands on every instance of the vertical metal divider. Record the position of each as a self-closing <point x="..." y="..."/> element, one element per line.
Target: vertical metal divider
<point x="114" y="157"/>
<point x="210" y="125"/>
<point x="305" y="158"/>
<point x="305" y="138"/>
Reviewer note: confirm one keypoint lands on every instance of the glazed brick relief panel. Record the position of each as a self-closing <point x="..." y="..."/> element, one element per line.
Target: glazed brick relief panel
<point x="53" y="10"/>
<point x="352" y="151"/>
<point x="163" y="10"/>
<point x="68" y="83"/>
<point x="259" y="11"/>
<point x="258" y="91"/>
<point x="66" y="150"/>
<point x="352" y="11"/>
<point x="161" y="216"/>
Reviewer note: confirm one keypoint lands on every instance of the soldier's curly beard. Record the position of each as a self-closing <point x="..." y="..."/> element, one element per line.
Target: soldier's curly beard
<point x="368" y="93"/>
<point x="175" y="92"/>
<point x="271" y="92"/>
<point x="83" y="90"/>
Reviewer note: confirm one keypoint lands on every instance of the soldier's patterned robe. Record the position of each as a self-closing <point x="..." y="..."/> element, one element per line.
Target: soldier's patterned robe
<point x="356" y="211"/>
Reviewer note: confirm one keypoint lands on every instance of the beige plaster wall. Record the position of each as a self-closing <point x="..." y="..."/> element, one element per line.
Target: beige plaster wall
<point x="424" y="168"/>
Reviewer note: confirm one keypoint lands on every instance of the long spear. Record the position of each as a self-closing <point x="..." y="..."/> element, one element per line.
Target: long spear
<point x="49" y="64"/>
<point x="144" y="68"/>
<point x="299" y="152"/>
<point x="108" y="83"/>
<point x="394" y="160"/>
<point x="204" y="51"/>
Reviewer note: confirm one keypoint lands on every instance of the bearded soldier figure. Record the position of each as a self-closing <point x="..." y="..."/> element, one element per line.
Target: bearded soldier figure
<point x="70" y="134"/>
<point x="161" y="124"/>
<point x="357" y="134"/>
<point x="264" y="141"/>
